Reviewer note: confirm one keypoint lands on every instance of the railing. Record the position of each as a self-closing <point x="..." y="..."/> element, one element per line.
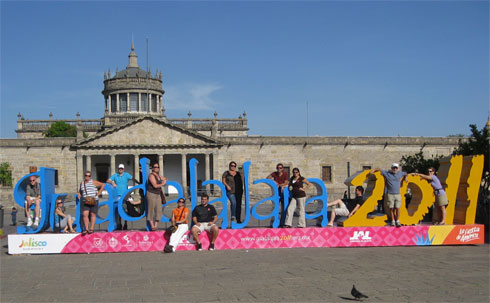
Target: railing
<point x="42" y="125"/>
<point x="97" y="124"/>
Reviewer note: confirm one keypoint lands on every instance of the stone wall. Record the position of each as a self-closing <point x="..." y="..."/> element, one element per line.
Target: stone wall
<point x="55" y="153"/>
<point x="309" y="154"/>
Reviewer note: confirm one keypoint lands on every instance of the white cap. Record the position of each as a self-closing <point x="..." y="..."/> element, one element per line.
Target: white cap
<point x="121" y="166"/>
<point x="395" y="165"/>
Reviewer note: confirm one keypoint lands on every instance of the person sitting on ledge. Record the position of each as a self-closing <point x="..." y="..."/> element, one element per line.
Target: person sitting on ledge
<point x="340" y="209"/>
<point x="33" y="195"/>
<point x="61" y="220"/>
<point x="204" y="217"/>
<point x="179" y="221"/>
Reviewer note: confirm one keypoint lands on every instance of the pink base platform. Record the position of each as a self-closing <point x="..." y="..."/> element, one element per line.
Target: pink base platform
<point x="251" y="238"/>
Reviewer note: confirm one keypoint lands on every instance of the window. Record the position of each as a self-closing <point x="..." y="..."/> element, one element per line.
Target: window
<point x="154" y="103"/>
<point x="113" y="103"/>
<point x="144" y="103"/>
<point x="366" y="167"/>
<point x="327" y="174"/>
<point x="123" y="102"/>
<point x="287" y="170"/>
<point x="56" y="177"/>
<point x="133" y="102"/>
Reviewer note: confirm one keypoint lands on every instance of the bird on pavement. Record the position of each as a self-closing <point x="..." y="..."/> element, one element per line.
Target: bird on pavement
<point x="357" y="294"/>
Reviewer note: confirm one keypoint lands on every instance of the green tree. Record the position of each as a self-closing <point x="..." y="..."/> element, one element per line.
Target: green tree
<point x="477" y="144"/>
<point x="418" y="163"/>
<point x="61" y="129"/>
<point x="5" y="174"/>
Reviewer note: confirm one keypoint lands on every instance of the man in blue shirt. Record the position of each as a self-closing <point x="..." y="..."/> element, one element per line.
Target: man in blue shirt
<point x="393" y="199"/>
<point x="120" y="182"/>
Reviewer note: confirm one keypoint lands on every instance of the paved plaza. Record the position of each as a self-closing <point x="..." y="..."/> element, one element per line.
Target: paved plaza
<point x="385" y="274"/>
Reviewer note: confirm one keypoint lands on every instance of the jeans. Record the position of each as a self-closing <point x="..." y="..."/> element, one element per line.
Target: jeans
<point x="232" y="199"/>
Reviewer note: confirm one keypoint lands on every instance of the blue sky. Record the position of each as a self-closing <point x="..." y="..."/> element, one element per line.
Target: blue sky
<point x="367" y="68"/>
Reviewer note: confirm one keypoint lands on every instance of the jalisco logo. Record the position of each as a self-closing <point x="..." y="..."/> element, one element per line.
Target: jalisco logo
<point x="32" y="243"/>
<point x="360" y="236"/>
<point x="468" y="234"/>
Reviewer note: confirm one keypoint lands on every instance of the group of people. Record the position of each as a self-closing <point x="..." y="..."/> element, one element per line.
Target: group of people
<point x="204" y="216"/>
<point x="392" y="201"/>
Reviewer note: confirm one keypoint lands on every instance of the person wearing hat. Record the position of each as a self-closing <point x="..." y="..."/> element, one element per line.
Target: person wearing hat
<point x="393" y="199"/>
<point x="120" y="182"/>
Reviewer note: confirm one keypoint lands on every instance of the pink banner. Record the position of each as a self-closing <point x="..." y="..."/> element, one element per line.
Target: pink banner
<point x="257" y="238"/>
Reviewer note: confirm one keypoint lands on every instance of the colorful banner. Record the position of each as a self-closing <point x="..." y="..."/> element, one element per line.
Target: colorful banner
<point x="250" y="238"/>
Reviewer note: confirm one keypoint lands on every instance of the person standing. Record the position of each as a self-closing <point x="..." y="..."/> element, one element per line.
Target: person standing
<point x="281" y="179"/>
<point x="393" y="179"/>
<point x="441" y="198"/>
<point x="120" y="182"/>
<point x="88" y="191"/>
<point x="154" y="196"/>
<point x="233" y="181"/>
<point x="298" y="186"/>
<point x="180" y="222"/>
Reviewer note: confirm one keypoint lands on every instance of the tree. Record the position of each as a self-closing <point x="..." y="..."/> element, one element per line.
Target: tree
<point x="61" y="129"/>
<point x="5" y="174"/>
<point x="418" y="163"/>
<point x="477" y="144"/>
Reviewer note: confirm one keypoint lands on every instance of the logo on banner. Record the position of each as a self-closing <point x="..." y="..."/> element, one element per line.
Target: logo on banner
<point x="113" y="242"/>
<point x="98" y="243"/>
<point x="145" y="244"/>
<point x="360" y="236"/>
<point x="128" y="243"/>
<point x="32" y="244"/>
<point x="468" y="234"/>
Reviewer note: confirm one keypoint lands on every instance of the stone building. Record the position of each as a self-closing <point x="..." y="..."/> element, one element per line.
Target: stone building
<point x="134" y="125"/>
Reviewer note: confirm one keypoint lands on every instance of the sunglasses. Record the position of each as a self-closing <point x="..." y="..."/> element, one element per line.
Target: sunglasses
<point x="88" y="175"/>
<point x="156" y="166"/>
<point x="232" y="165"/>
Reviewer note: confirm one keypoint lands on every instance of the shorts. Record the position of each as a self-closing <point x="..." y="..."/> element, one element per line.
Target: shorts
<point x="92" y="209"/>
<point x="441" y="200"/>
<point x="394" y="200"/>
<point x="342" y="210"/>
<point x="204" y="226"/>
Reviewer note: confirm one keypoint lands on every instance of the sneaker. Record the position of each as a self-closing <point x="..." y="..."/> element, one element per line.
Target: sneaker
<point x="36" y="222"/>
<point x="393" y="223"/>
<point x="233" y="219"/>
<point x="398" y="224"/>
<point x="211" y="246"/>
<point x="29" y="221"/>
<point x="199" y="247"/>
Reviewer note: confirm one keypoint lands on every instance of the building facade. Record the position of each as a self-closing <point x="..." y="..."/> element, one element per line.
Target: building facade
<point x="135" y="125"/>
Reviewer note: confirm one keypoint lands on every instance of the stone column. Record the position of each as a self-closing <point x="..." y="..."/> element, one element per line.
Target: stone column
<point x="160" y="163"/>
<point x="79" y="167"/>
<point x="88" y="163"/>
<point x="215" y="168"/>
<point x="109" y="104"/>
<point x="117" y="103"/>
<point x="112" y="169"/>
<point x="184" y="173"/>
<point x="206" y="170"/>
<point x="137" y="167"/>
<point x="139" y="102"/>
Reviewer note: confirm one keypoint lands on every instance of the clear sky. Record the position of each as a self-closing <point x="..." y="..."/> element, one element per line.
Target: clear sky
<point x="365" y="68"/>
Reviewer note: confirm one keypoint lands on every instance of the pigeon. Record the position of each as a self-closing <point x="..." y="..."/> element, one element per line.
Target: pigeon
<point x="357" y="294"/>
